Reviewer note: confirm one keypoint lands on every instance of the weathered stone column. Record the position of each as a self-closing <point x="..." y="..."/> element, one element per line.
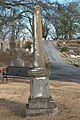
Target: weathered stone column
<point x="40" y="102"/>
<point x="39" y="49"/>
<point x="13" y="43"/>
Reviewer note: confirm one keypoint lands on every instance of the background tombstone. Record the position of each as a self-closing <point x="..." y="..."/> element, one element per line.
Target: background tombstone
<point x="1" y="46"/>
<point x="40" y="102"/>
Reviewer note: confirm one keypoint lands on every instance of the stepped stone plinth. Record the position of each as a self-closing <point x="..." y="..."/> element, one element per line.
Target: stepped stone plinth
<point x="40" y="102"/>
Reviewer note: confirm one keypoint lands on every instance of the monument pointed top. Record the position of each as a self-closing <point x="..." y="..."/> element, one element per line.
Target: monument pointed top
<point x="38" y="7"/>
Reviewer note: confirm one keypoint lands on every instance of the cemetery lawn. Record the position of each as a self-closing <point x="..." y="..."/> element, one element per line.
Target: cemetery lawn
<point x="14" y="95"/>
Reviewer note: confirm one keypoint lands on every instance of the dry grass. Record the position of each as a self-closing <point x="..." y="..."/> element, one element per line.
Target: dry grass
<point x="14" y="95"/>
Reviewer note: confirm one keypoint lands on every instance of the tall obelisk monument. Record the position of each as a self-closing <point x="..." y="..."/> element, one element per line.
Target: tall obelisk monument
<point x="40" y="102"/>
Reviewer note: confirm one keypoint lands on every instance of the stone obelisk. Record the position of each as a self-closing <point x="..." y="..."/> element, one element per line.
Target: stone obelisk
<point x="40" y="102"/>
<point x="39" y="49"/>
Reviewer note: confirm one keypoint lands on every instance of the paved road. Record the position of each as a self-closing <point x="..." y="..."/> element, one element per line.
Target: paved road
<point x="60" y="70"/>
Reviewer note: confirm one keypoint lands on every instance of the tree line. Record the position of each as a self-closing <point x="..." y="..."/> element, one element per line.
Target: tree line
<point x="58" y="20"/>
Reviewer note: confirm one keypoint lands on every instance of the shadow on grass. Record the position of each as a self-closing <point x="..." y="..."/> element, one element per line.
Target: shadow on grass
<point x="14" y="107"/>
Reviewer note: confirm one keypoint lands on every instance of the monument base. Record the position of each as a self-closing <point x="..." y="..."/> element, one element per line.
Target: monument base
<point x="41" y="106"/>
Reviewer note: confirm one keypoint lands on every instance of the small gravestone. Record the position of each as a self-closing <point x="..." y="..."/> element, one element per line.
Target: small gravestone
<point x="40" y="102"/>
<point x="17" y="62"/>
